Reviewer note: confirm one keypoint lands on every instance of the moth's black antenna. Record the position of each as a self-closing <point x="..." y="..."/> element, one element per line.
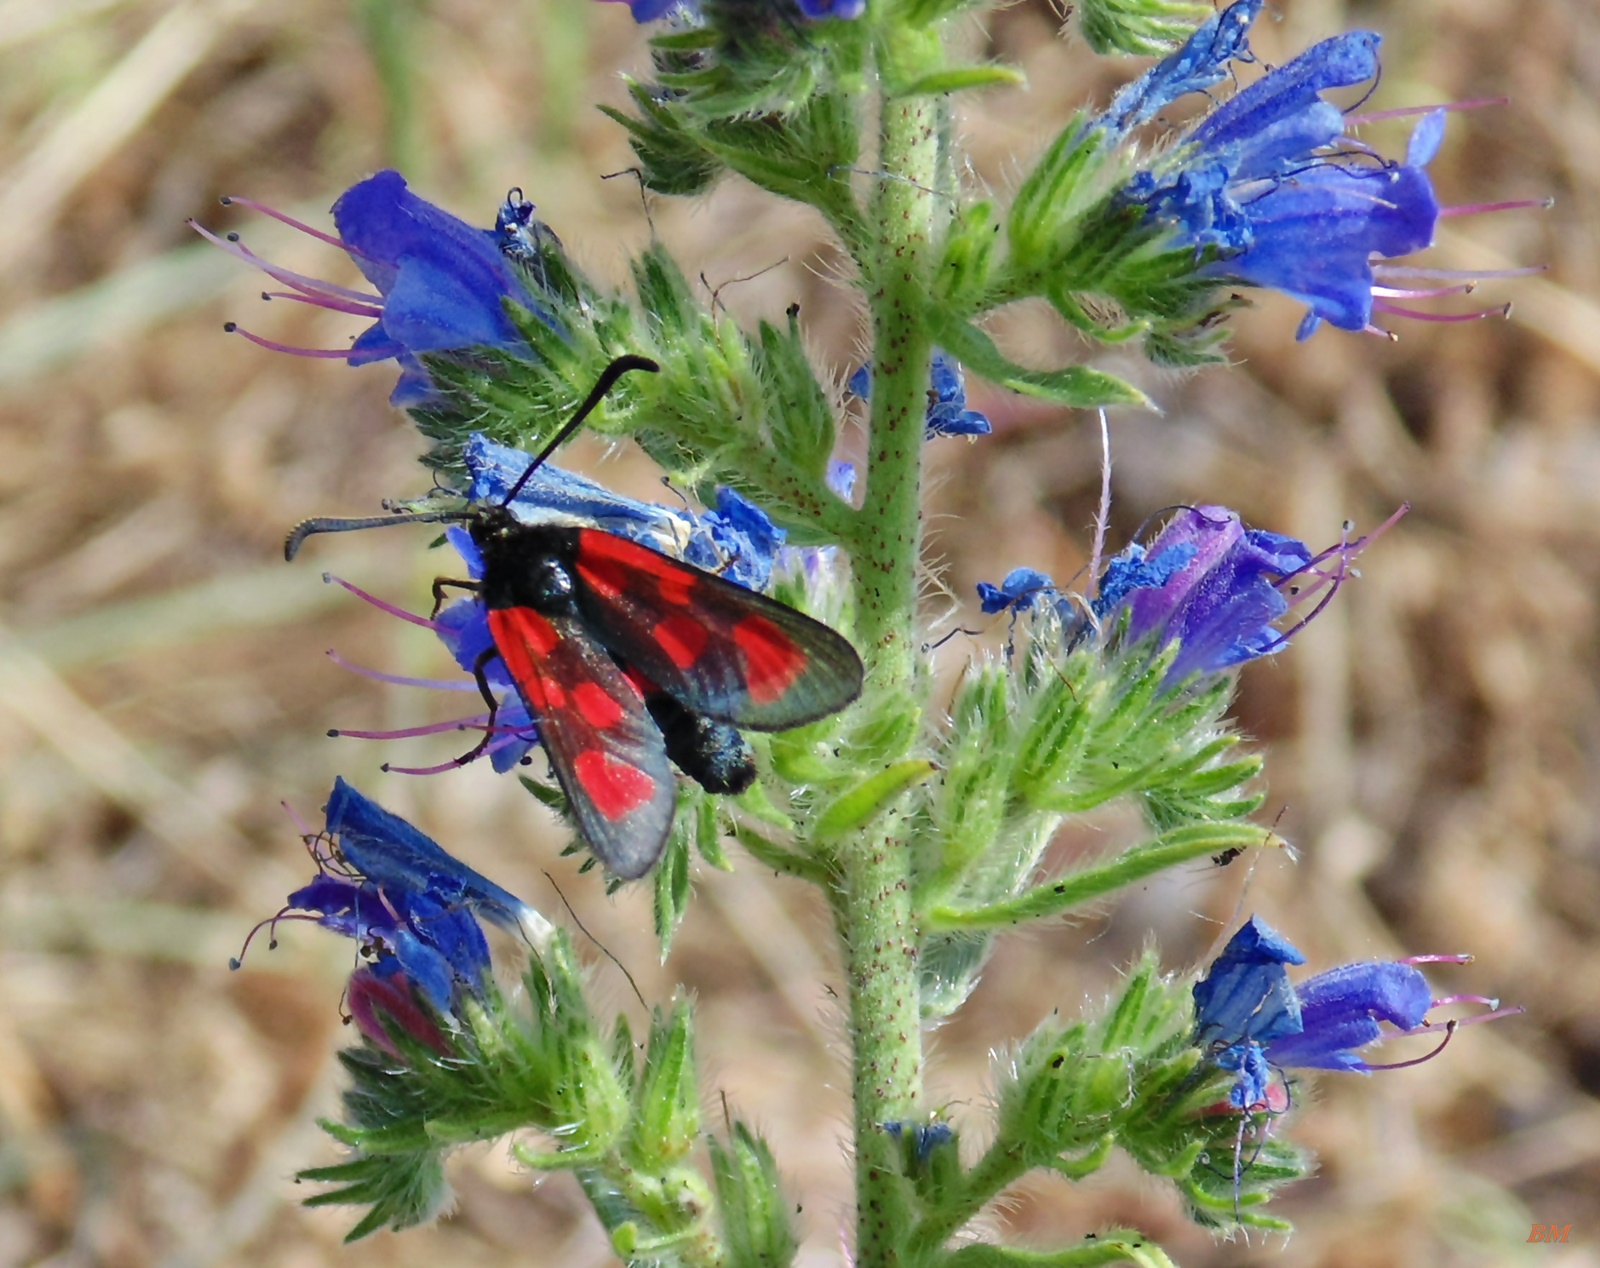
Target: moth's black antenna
<point x="311" y="527"/>
<point x="607" y="380"/>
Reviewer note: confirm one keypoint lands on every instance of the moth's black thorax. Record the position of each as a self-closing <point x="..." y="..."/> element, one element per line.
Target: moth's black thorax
<point x="526" y="565"/>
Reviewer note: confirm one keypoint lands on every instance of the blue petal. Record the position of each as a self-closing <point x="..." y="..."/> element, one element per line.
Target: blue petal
<point x="1341" y="1010"/>
<point x="1201" y="62"/>
<point x="392" y="854"/>
<point x="1246" y="992"/>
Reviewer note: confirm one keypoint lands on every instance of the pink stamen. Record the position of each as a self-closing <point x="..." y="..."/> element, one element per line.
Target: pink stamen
<point x="233" y="200"/>
<point x="399" y="680"/>
<point x="378" y="603"/>
<point x="478" y="722"/>
<point x="440" y="769"/>
<point x="329" y="303"/>
<point x="1395" y="292"/>
<point x="1410" y="112"/>
<point x="1476" y="275"/>
<point x="1504" y="310"/>
<point x="271" y="922"/>
<point x="1484" y="1000"/>
<point x="509" y="738"/>
<point x="1520" y="204"/>
<point x="272" y="345"/>
<point x="1449" y="1034"/>
<point x="1463" y="958"/>
<point x="299" y="281"/>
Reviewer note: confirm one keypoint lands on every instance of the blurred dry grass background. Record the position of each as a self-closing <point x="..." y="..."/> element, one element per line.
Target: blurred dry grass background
<point x="1433" y="740"/>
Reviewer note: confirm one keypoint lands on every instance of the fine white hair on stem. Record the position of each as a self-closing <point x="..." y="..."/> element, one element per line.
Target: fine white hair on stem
<point x="1102" y="519"/>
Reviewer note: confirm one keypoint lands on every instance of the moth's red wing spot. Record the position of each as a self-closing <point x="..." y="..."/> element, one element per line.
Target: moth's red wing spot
<point x="682" y="638"/>
<point x="595" y="705"/>
<point x="519" y="635"/>
<point x="615" y="788"/>
<point x="554" y="697"/>
<point x="607" y="562"/>
<point x="772" y="661"/>
<point x="676" y="586"/>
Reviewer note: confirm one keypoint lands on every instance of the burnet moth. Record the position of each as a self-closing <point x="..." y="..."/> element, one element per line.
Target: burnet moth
<point x="631" y="661"/>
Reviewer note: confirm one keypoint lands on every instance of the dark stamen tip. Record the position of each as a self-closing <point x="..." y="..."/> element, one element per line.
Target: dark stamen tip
<point x="233" y="237"/>
<point x="230" y="326"/>
<point x="333" y="733"/>
<point x="226" y="200"/>
<point x="273" y="945"/>
<point x="384" y="768"/>
<point x="265" y="295"/>
<point x="327" y="578"/>
<point x="526" y="761"/>
<point x="1506" y="311"/>
<point x="235" y="963"/>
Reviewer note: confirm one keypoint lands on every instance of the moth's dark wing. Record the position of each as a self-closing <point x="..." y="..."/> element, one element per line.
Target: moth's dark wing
<point x="607" y="755"/>
<point x="724" y="651"/>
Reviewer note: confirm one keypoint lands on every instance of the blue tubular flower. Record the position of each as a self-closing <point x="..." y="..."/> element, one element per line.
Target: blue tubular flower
<point x="1340" y="1011"/>
<point x="948" y="414"/>
<point x="1252" y="1020"/>
<point x="1270" y="184"/>
<point x="441" y="283"/>
<point x="412" y="907"/>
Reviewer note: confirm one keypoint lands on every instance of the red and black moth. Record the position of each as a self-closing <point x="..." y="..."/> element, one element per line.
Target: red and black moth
<point x="631" y="661"/>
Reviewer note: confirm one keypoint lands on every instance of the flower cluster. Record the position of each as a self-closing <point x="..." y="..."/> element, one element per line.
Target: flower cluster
<point x="1271" y="189"/>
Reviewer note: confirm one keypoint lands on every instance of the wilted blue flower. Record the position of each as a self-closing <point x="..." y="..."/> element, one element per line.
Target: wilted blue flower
<point x="1252" y="1020"/>
<point x="413" y="908"/>
<point x="948" y="414"/>
<point x="1270" y="183"/>
<point x="441" y="283"/>
<point x="1017" y="592"/>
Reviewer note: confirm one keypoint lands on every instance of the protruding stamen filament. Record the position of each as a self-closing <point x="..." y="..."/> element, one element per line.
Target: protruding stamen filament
<point x="380" y="604"/>
<point x="272" y="345"/>
<point x="250" y="204"/>
<point x="400" y="680"/>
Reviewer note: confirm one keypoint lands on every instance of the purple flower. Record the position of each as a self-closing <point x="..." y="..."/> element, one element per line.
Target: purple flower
<point x="1252" y="1020"/>
<point x="948" y="414"/>
<point x="441" y="284"/>
<point x="413" y="908"/>
<point x="815" y="10"/>
<point x="1219" y="589"/>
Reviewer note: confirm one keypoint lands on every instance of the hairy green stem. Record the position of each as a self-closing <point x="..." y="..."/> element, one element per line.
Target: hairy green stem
<point x="873" y="906"/>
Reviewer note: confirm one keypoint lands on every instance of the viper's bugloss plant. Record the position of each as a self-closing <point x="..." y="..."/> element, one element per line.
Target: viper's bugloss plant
<point x="922" y="818"/>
